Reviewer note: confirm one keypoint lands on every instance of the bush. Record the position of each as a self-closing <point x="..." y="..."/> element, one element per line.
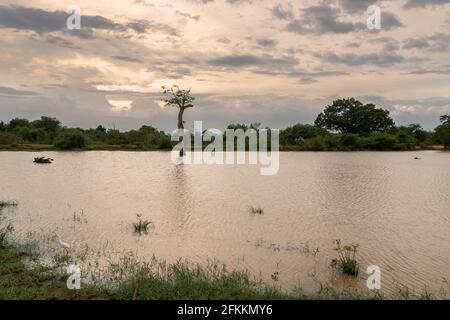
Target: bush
<point x="70" y="139"/>
<point x="7" y="138"/>
<point x="379" y="141"/>
<point x="164" y="142"/>
<point x="351" y="141"/>
<point x="332" y="141"/>
<point x="315" y="144"/>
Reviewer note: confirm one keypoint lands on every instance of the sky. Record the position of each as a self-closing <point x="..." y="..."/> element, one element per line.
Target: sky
<point x="275" y="62"/>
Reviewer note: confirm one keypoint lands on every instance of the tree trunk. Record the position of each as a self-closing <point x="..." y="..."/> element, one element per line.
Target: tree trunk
<point x="181" y="126"/>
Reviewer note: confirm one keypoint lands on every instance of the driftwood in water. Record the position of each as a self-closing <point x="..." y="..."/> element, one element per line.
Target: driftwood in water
<point x="42" y="160"/>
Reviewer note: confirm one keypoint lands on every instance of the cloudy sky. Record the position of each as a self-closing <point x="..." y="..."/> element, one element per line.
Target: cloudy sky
<point x="276" y="62"/>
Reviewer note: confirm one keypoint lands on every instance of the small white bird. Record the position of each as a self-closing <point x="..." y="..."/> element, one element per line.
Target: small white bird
<point x="63" y="244"/>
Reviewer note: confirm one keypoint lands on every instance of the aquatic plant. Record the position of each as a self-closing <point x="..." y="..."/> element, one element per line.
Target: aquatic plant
<point x="3" y="233"/>
<point x="346" y="260"/>
<point x="5" y="204"/>
<point x="141" y="226"/>
<point x="79" y="217"/>
<point x="257" y="210"/>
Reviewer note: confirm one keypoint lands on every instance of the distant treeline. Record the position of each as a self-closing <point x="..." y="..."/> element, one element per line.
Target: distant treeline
<point x="347" y="124"/>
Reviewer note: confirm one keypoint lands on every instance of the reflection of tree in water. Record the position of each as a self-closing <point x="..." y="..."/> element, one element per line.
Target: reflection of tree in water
<point x="181" y="202"/>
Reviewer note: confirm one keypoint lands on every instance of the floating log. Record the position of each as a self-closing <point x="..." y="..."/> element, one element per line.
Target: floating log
<point x="43" y="160"/>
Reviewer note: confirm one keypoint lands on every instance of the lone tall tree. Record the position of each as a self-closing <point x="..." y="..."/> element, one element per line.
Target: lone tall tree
<point x="181" y="99"/>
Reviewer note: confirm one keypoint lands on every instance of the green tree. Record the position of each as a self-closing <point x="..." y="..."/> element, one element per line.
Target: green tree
<point x="51" y="125"/>
<point x="445" y="118"/>
<point x="443" y="134"/>
<point x="17" y="123"/>
<point x="352" y="116"/>
<point x="419" y="133"/>
<point x="181" y="99"/>
<point x="70" y="139"/>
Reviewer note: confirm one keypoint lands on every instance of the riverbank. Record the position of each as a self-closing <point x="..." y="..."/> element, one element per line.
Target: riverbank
<point x="181" y="282"/>
<point x="285" y="148"/>
<point x="49" y="147"/>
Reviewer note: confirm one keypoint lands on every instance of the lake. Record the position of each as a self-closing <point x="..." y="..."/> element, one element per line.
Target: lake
<point x="395" y="207"/>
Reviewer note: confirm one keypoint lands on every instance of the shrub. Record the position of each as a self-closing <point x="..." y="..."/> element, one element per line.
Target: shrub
<point x="332" y="141"/>
<point x="164" y="142"/>
<point x="315" y="144"/>
<point x="7" y="138"/>
<point x="351" y="141"/>
<point x="379" y="141"/>
<point x="70" y="139"/>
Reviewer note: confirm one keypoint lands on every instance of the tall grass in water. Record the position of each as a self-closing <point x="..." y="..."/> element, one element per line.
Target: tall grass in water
<point x="5" y="204"/>
<point x="141" y="226"/>
<point x="184" y="280"/>
<point x="257" y="210"/>
<point x="346" y="261"/>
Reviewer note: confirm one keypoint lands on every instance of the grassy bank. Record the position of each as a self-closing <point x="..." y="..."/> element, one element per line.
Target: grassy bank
<point x="179" y="281"/>
<point x="19" y="283"/>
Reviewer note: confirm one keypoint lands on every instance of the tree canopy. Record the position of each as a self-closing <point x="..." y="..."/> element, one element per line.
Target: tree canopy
<point x="443" y="134"/>
<point x="352" y="116"/>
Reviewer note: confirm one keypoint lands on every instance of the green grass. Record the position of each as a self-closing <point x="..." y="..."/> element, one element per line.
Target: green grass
<point x="346" y="261"/>
<point x="142" y="281"/>
<point x="19" y="283"/>
<point x="182" y="280"/>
